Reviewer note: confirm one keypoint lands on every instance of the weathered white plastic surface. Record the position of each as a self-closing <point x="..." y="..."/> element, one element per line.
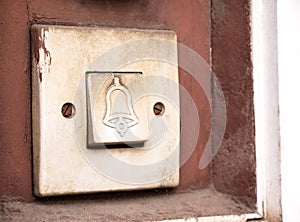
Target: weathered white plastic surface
<point x="67" y="62"/>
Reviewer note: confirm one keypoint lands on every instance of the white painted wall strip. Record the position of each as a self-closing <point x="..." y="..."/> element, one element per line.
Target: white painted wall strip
<point x="289" y="105"/>
<point x="264" y="40"/>
<point x="227" y="218"/>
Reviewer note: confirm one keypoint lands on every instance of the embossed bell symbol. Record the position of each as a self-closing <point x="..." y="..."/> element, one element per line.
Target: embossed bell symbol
<point x="119" y="113"/>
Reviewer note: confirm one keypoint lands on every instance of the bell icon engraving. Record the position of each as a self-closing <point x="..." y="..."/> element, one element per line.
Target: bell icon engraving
<point x="119" y="111"/>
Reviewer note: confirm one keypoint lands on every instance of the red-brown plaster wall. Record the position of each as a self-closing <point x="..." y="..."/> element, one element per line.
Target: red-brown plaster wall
<point x="15" y="113"/>
<point x="234" y="166"/>
<point x="190" y="19"/>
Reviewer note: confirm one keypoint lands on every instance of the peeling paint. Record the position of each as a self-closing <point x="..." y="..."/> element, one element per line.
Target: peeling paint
<point x="41" y="76"/>
<point x="41" y="54"/>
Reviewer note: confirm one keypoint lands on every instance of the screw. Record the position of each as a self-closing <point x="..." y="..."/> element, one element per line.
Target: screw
<point x="68" y="110"/>
<point x="158" y="109"/>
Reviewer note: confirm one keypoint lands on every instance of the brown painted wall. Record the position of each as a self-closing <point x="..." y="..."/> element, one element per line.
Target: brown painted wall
<point x="234" y="166"/>
<point x="189" y="18"/>
<point x="15" y="132"/>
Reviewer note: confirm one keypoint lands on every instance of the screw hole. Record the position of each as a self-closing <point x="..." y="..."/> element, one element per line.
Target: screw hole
<point x="68" y="110"/>
<point x="159" y="109"/>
